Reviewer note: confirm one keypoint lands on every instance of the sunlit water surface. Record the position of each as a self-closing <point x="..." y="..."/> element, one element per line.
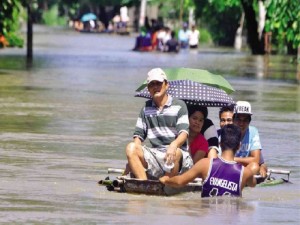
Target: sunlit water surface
<point x="67" y="118"/>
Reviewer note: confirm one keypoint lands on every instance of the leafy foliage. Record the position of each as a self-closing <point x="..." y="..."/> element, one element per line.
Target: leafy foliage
<point x="9" y="21"/>
<point x="283" y="20"/>
<point x="52" y="18"/>
<point x="9" y="12"/>
<point x="171" y="9"/>
<point x="205" y="36"/>
<point x="222" y="24"/>
<point x="14" y="40"/>
<point x="221" y="18"/>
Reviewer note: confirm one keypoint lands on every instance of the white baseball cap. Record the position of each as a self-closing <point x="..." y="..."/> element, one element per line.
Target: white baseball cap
<point x="243" y="107"/>
<point x="156" y="74"/>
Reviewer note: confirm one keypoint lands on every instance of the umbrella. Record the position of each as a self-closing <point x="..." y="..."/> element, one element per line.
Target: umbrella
<point x="198" y="75"/>
<point x="194" y="93"/>
<point x="88" y="17"/>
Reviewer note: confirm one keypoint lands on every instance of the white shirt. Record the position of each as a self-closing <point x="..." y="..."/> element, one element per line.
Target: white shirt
<point x="194" y="37"/>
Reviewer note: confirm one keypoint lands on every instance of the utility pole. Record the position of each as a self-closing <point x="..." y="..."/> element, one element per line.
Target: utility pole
<point x="142" y="13"/>
<point x="29" y="33"/>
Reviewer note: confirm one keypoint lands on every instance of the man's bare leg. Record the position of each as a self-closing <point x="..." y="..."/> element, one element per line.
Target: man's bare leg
<point x="135" y="157"/>
<point x="254" y="167"/>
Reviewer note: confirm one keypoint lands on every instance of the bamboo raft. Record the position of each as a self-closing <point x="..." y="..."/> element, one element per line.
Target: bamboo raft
<point x="154" y="187"/>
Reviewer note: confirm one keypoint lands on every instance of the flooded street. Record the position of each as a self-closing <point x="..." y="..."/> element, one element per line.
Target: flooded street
<point x="68" y="117"/>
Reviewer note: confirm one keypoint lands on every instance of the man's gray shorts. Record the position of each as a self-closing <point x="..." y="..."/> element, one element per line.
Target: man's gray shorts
<point x="155" y="160"/>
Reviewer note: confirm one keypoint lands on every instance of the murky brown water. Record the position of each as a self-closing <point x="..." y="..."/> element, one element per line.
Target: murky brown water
<point x="66" y="119"/>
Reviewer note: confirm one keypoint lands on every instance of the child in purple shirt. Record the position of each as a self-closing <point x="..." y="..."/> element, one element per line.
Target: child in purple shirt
<point x="221" y="176"/>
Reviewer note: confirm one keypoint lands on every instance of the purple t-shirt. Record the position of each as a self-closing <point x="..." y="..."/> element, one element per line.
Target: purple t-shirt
<point x="224" y="178"/>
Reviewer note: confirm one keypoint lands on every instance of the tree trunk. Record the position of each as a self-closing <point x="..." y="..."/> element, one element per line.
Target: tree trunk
<point x="191" y="17"/>
<point x="261" y="18"/>
<point x="256" y="45"/>
<point x="142" y="13"/>
<point x="239" y="34"/>
<point x="103" y="16"/>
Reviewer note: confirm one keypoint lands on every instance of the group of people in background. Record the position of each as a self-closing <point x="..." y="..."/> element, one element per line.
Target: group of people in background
<point x="116" y="25"/>
<point x="161" y="38"/>
<point x="182" y="137"/>
<point x="91" y="23"/>
<point x="188" y="38"/>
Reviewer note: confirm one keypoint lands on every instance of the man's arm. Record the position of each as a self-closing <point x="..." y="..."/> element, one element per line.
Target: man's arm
<point x="137" y="141"/>
<point x="212" y="153"/>
<point x="198" y="170"/>
<point x="171" y="151"/>
<point x="254" y="157"/>
<point x="180" y="140"/>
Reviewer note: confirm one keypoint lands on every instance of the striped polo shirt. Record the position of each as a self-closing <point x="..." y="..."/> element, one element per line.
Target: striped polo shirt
<point x="162" y="127"/>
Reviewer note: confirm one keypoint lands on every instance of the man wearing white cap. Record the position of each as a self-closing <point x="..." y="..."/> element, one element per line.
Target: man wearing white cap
<point x="226" y="117"/>
<point x="250" y="150"/>
<point x="164" y="121"/>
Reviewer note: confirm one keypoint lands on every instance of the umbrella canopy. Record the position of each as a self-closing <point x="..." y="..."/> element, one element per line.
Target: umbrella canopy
<point x="194" y="93"/>
<point x="88" y="17"/>
<point x="198" y="75"/>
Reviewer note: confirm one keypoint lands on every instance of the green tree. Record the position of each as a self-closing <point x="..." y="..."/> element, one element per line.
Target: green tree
<point x="283" y="20"/>
<point x="221" y="20"/>
<point x="177" y="9"/>
<point x="9" y="21"/>
<point x="225" y="16"/>
<point x="255" y="43"/>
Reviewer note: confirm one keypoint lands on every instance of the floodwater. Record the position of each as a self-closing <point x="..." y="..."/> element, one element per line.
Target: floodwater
<point x="67" y="117"/>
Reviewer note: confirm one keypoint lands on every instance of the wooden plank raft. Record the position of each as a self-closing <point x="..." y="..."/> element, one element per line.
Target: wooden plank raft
<point x="149" y="187"/>
<point x="154" y="187"/>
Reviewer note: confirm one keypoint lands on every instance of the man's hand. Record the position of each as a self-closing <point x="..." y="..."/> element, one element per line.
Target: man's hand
<point x="213" y="153"/>
<point x="171" y="153"/>
<point x="163" y="179"/>
<point x="263" y="170"/>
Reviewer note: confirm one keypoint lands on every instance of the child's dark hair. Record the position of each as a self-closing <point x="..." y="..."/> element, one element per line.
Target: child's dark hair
<point x="227" y="108"/>
<point x="173" y="34"/>
<point x="230" y="137"/>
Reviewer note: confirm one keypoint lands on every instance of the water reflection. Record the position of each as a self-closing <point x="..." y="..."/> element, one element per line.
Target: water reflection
<point x="268" y="67"/>
<point x="187" y="209"/>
